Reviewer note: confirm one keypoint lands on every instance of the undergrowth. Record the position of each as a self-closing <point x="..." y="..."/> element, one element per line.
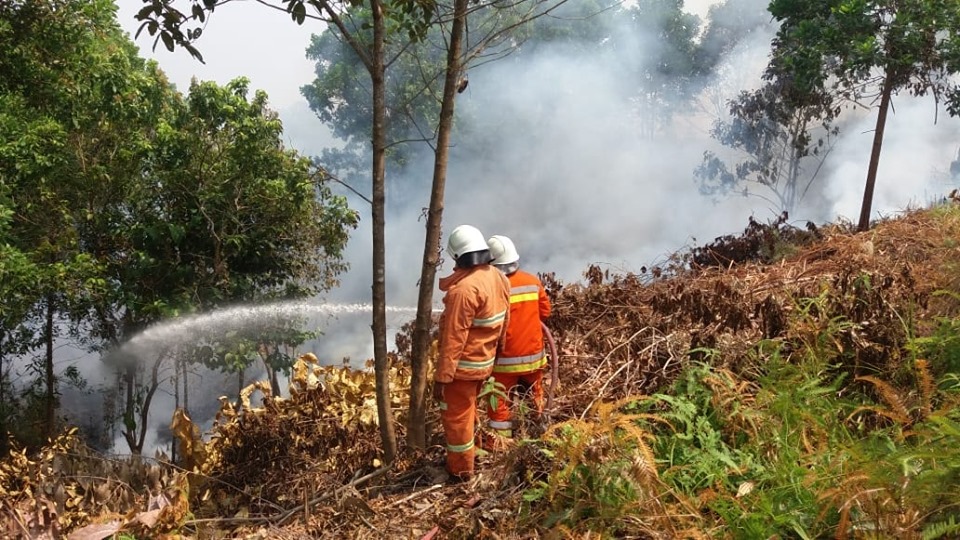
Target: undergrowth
<point x="796" y="444"/>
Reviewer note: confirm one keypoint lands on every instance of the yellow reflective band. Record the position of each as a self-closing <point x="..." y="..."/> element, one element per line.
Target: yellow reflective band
<point x="459" y="447"/>
<point x="525" y="297"/>
<point x="470" y="365"/>
<point x="520" y="368"/>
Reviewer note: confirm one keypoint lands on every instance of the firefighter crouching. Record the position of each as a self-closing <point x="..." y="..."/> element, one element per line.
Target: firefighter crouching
<point x="521" y="360"/>
<point x="476" y="307"/>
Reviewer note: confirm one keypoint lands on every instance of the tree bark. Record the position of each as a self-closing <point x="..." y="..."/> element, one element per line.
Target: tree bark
<point x="416" y="431"/>
<point x="145" y="406"/>
<point x="264" y="353"/>
<point x="388" y="433"/>
<point x="129" y="422"/>
<point x="865" y="208"/>
<point x="135" y="422"/>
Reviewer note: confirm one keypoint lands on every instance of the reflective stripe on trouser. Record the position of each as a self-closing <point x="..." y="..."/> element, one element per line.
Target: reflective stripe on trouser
<point x="459" y="419"/>
<point x="501" y="414"/>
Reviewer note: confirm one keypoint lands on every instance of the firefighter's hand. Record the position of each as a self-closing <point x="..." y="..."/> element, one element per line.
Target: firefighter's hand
<point x="438" y="390"/>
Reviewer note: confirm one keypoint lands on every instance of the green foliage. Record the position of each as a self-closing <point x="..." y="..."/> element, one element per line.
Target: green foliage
<point x="492" y="391"/>
<point x="789" y="445"/>
<point x="942" y="346"/>
<point x="851" y="51"/>
<point x="941" y="529"/>
<point x="123" y="202"/>
<point x="603" y="468"/>
<point x="74" y="110"/>
<point x="848" y="39"/>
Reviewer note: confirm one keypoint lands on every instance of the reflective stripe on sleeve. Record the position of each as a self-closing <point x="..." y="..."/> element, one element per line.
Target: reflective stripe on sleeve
<point x="490" y="321"/>
<point x="470" y="365"/>
<point x="494" y="424"/>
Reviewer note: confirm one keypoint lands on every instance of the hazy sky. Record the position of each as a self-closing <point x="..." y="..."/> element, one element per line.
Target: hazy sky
<point x="245" y="38"/>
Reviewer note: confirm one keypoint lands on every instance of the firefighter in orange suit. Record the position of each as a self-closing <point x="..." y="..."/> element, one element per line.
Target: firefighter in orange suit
<point x="476" y="308"/>
<point x="521" y="359"/>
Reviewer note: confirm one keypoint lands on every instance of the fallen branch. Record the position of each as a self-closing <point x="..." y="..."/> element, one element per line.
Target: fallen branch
<point x="287" y="514"/>
<point x="313" y="502"/>
<point x="621" y="368"/>
<point x="414" y="495"/>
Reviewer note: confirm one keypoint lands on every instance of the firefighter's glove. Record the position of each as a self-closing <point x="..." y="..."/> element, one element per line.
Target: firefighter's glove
<point x="438" y="390"/>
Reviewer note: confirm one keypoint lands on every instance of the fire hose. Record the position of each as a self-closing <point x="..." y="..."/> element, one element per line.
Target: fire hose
<point x="554" y="372"/>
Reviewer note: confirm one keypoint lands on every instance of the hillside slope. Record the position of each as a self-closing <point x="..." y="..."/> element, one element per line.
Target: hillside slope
<point x="781" y="383"/>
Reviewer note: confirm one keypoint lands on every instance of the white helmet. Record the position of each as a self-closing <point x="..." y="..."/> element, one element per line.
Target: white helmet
<point x="502" y="250"/>
<point x="465" y="239"/>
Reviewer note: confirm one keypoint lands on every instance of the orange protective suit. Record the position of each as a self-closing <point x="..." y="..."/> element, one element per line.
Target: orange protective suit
<point x="522" y="359"/>
<point x="475" y="314"/>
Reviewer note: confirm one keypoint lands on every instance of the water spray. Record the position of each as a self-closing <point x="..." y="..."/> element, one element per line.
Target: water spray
<point x="179" y="328"/>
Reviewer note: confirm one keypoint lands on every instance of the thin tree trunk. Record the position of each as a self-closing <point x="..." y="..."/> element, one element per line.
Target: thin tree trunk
<point x="176" y="405"/>
<point x="263" y="351"/>
<point x="416" y="431"/>
<point x="875" y="153"/>
<point x="129" y="423"/>
<point x="145" y="406"/>
<point x="50" y="401"/>
<point x="388" y="433"/>
<point x="3" y="401"/>
<point x="186" y="386"/>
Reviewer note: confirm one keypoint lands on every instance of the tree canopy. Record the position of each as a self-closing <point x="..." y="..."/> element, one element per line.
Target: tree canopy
<point x="123" y="201"/>
<point x="866" y="51"/>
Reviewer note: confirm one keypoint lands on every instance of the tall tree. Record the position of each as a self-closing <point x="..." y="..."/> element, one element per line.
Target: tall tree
<point x="224" y="214"/>
<point x="870" y="50"/>
<point x="422" y="88"/>
<point x="666" y="59"/>
<point x="18" y="278"/>
<point x="69" y="135"/>
<point x="777" y="129"/>
<point x="409" y="19"/>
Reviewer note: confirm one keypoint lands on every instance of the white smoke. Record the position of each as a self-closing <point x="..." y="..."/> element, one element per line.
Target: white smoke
<point x="564" y="171"/>
<point x="919" y="143"/>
